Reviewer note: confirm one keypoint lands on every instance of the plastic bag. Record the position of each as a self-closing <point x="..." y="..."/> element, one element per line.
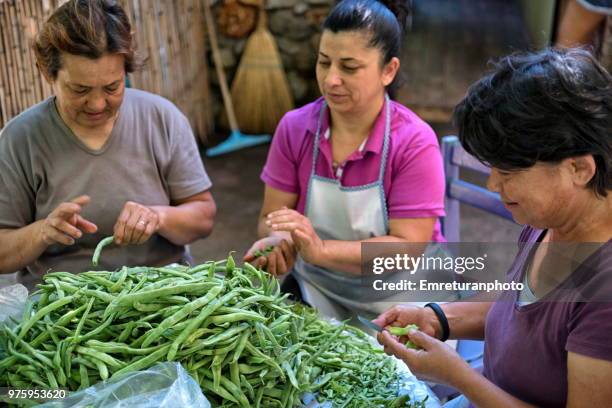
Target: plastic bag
<point x="165" y="385"/>
<point x="12" y="302"/>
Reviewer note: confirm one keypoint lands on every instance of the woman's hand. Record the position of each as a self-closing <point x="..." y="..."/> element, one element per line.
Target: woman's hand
<point x="432" y="361"/>
<point x="304" y="237"/>
<point x="402" y="316"/>
<point x="65" y="224"/>
<point x="136" y="224"/>
<point x="279" y="261"/>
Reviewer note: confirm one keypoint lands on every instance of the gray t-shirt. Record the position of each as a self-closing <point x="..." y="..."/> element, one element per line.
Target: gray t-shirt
<point x="151" y="157"/>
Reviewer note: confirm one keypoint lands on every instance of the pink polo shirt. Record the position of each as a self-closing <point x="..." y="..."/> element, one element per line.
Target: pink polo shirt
<point x="414" y="174"/>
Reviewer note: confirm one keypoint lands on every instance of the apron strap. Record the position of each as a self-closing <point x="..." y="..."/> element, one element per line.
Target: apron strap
<point x="385" y="150"/>
<point x="315" y="145"/>
<point x="387" y="136"/>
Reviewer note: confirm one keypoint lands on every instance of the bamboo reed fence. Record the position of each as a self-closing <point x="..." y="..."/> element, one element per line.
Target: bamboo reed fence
<point x="170" y="35"/>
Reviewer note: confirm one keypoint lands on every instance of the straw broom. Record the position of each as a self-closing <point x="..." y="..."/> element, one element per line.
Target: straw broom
<point x="260" y="89"/>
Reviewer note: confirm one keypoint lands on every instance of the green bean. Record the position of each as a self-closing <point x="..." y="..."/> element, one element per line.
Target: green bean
<point x="51" y="378"/>
<point x="182" y="313"/>
<point x="85" y="361"/>
<point x="58" y="289"/>
<point x="200" y="267"/>
<point x="268" y="333"/>
<point x="35" y="378"/>
<point x="291" y="374"/>
<point x="206" y="361"/>
<point x="148" y="307"/>
<point x="57" y="363"/>
<point x="220" y="391"/>
<point x="259" y="397"/>
<point x="404" y="331"/>
<point x="235" y="373"/>
<point x="269" y="361"/>
<point x="143" y="296"/>
<point x="203" y="351"/>
<point x="111" y="347"/>
<point x="96" y="255"/>
<point x="236" y="317"/>
<point x="82" y="321"/>
<point x="98" y="355"/>
<point x="207" y="311"/>
<point x="246" y="385"/>
<point x="264" y="252"/>
<point x="42" y="312"/>
<point x="84" y="377"/>
<point x="102" y="369"/>
<point x="43" y="300"/>
<point x="119" y="282"/>
<point x="240" y="347"/>
<point x="68" y="316"/>
<point x="97" y="330"/>
<point x="172" y="272"/>
<point x="35" y="353"/>
<point x="228" y="334"/>
<point x="143" y="362"/>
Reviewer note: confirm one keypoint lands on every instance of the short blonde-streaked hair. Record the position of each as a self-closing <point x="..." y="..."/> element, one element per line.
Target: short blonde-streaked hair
<point x="88" y="28"/>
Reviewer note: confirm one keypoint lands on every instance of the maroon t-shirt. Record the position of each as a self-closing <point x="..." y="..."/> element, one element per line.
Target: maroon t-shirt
<point x="526" y="346"/>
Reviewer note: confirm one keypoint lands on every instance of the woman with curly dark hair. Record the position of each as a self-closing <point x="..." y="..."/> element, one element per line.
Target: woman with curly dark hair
<point x="97" y="159"/>
<point x="543" y="123"/>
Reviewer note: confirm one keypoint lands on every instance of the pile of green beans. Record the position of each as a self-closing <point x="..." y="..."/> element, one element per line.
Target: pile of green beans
<point x="351" y="372"/>
<point x="229" y="327"/>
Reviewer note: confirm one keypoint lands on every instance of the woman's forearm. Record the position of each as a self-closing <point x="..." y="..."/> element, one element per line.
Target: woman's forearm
<point x="466" y="320"/>
<point x="185" y="223"/>
<point x="20" y="247"/>
<point x="345" y="256"/>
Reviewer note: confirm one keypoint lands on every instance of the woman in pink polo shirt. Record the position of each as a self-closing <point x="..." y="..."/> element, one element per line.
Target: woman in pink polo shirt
<point x="354" y="166"/>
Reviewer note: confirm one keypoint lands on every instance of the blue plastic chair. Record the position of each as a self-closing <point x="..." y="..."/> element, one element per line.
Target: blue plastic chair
<point x="460" y="191"/>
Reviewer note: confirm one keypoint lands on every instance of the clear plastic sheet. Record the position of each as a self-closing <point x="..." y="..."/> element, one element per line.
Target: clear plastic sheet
<point x="165" y="385"/>
<point x="12" y="303"/>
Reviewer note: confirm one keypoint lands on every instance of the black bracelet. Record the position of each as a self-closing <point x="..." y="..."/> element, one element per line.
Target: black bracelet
<point x="442" y="318"/>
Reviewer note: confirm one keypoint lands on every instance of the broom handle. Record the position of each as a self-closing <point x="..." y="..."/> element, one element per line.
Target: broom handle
<point x="227" y="98"/>
<point x="262" y="22"/>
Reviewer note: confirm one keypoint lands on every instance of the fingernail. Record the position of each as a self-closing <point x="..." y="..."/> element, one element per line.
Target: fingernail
<point x="268" y="222"/>
<point x="118" y="242"/>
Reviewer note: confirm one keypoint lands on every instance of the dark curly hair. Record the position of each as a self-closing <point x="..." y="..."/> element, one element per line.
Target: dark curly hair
<point x="384" y="20"/>
<point x="88" y="28"/>
<point x="545" y="106"/>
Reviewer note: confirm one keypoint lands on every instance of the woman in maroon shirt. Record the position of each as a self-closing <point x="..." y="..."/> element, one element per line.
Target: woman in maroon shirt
<point x="543" y="123"/>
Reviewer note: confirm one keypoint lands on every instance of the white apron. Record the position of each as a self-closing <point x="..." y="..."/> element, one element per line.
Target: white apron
<point x="346" y="214"/>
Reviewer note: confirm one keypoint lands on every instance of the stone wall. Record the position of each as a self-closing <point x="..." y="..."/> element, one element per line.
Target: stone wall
<point x="296" y="26"/>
